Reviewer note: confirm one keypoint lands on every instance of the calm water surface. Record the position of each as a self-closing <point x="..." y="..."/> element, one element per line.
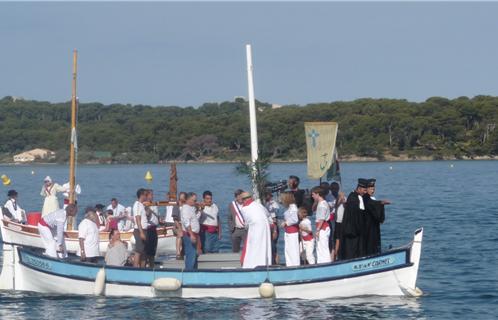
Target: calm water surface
<point x="455" y="202"/>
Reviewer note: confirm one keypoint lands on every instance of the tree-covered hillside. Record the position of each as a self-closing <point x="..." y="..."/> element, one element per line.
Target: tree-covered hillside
<point x="438" y="128"/>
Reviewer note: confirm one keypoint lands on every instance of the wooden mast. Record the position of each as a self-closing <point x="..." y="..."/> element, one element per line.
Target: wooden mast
<point x="72" y="148"/>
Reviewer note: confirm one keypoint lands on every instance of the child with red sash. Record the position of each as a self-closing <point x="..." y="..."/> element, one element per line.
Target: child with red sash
<point x="307" y="235"/>
<point x="322" y="225"/>
<point x="291" y="227"/>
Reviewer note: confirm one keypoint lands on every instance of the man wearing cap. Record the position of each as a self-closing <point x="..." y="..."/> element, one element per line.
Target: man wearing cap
<point x="49" y="191"/>
<point x="257" y="249"/>
<point x="353" y="223"/>
<point x="374" y="217"/>
<point x="53" y="224"/>
<point x="13" y="207"/>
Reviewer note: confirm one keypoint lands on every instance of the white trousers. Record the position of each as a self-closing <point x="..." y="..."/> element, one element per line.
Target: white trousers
<point x="309" y="248"/>
<point x="292" y="249"/>
<point x="322" y="247"/>
<point x="49" y="242"/>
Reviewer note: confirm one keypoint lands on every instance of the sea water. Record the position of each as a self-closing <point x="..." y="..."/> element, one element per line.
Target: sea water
<point x="455" y="202"/>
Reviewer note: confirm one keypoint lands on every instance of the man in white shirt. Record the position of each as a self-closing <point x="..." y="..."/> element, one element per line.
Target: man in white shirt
<point x="191" y="228"/>
<point x="210" y="224"/>
<point x="117" y="208"/>
<point x="140" y="226"/>
<point x="89" y="238"/>
<point x="18" y="214"/>
<point x="53" y="224"/>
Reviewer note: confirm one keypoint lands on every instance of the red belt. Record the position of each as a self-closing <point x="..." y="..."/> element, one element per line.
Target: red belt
<point x="209" y="229"/>
<point x="43" y="223"/>
<point x="292" y="229"/>
<point x="308" y="237"/>
<point x="325" y="225"/>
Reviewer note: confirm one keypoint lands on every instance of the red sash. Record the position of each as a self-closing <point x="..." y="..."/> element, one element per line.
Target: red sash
<point x="209" y="229"/>
<point x="292" y="229"/>
<point x="308" y="237"/>
<point x="325" y="225"/>
<point x="43" y="223"/>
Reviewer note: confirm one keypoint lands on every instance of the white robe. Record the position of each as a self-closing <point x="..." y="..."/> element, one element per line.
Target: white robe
<point x="257" y="250"/>
<point x="51" y="202"/>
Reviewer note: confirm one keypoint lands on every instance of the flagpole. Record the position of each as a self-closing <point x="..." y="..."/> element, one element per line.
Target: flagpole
<point x="252" y="120"/>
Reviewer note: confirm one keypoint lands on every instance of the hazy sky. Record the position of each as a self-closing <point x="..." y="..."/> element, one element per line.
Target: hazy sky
<point x="190" y="53"/>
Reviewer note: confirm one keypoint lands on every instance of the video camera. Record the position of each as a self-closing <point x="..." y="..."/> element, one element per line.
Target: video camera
<point x="277" y="186"/>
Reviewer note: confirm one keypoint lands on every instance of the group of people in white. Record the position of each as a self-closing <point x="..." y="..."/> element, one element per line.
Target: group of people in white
<point x="254" y="227"/>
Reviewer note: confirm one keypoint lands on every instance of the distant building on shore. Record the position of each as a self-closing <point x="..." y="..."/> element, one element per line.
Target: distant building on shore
<point x="35" y="154"/>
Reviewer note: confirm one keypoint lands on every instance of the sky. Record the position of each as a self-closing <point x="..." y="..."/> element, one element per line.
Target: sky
<point x="190" y="53"/>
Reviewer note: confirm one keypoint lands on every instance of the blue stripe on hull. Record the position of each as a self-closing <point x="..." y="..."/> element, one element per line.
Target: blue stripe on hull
<point x="392" y="260"/>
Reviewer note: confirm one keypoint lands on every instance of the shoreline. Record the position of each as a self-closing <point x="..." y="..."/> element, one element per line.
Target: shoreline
<point x="345" y="159"/>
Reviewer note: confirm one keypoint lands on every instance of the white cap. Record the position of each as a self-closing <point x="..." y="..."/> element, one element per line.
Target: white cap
<point x="47" y="178"/>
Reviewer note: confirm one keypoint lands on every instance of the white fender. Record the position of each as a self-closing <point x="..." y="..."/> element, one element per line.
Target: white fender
<point x="266" y="290"/>
<point x="99" y="288"/>
<point x="166" y="284"/>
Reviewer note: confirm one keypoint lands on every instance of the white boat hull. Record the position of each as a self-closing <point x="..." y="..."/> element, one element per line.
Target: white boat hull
<point x="27" y="235"/>
<point x="386" y="274"/>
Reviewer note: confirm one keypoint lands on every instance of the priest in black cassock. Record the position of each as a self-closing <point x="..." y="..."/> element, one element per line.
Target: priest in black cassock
<point x="375" y="215"/>
<point x="352" y="243"/>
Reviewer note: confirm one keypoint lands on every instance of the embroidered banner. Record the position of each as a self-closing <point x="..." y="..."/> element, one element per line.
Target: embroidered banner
<point x="320" y="142"/>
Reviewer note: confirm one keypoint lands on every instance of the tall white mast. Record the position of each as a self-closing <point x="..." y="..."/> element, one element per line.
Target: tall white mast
<point x="252" y="118"/>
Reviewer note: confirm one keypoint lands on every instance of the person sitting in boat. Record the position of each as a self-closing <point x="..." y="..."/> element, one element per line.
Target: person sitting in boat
<point x="322" y="226"/>
<point x="291" y="227"/>
<point x="257" y="251"/>
<point x="152" y="217"/>
<point x="49" y="191"/>
<point x="210" y="224"/>
<point x="126" y="220"/>
<point x="140" y="217"/>
<point x="111" y="221"/>
<point x="306" y="235"/>
<point x="53" y="224"/>
<point x="273" y="208"/>
<point x="89" y="238"/>
<point x="374" y="217"/>
<point x="117" y="250"/>
<point x="117" y="208"/>
<point x="99" y="210"/>
<point x="191" y="228"/>
<point x="15" y="211"/>
<point x="236" y="223"/>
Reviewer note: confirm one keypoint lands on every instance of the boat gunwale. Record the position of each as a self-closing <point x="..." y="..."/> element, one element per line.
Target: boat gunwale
<point x="406" y="249"/>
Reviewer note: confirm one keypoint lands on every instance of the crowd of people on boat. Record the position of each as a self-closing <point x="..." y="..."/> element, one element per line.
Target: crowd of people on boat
<point x="345" y="227"/>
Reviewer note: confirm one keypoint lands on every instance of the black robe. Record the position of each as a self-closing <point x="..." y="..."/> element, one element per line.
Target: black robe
<point x="352" y="243"/>
<point x="375" y="215"/>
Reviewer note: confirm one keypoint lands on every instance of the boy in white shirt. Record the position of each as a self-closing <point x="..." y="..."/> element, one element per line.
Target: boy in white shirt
<point x="307" y="235"/>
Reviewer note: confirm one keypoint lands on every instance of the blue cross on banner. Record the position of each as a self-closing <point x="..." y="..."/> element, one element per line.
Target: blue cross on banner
<point x="313" y="135"/>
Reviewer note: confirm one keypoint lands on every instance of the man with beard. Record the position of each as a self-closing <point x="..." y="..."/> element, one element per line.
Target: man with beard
<point x="374" y="217"/>
<point x="353" y="224"/>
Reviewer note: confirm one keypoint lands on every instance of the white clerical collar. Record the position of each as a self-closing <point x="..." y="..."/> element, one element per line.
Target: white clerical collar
<point x="362" y="205"/>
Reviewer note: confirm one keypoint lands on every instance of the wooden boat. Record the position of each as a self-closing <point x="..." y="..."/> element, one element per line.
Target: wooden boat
<point x="393" y="272"/>
<point x="28" y="235"/>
